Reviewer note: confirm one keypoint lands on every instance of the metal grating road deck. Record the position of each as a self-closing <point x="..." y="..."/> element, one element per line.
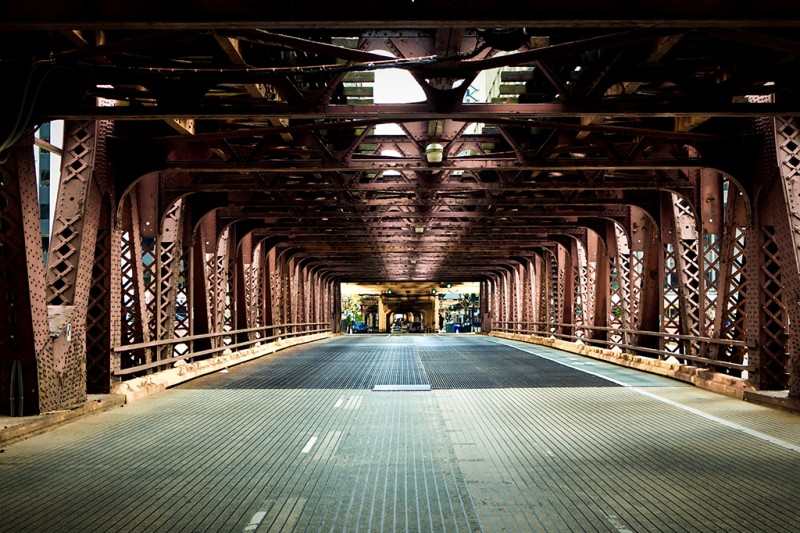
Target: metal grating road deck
<point x="246" y="452"/>
<point x="362" y="362"/>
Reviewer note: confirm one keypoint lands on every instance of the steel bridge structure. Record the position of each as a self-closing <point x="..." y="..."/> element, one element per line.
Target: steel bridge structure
<point x="634" y="184"/>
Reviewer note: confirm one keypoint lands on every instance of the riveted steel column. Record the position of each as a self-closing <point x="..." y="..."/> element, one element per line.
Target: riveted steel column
<point x="539" y="280"/>
<point x="203" y="247"/>
<point x="224" y="267"/>
<point x="507" y="296"/>
<point x="308" y="278"/>
<point x="573" y="293"/>
<point x="712" y="213"/>
<point x="257" y="285"/>
<point x="169" y="250"/>
<point x="281" y="287"/>
<point x="287" y="302"/>
<point x="650" y="293"/>
<point x="135" y="314"/>
<point x="554" y="301"/>
<point x="588" y="263"/>
<point x="298" y="292"/>
<point x="516" y="293"/>
<point x="619" y="254"/>
<point x="540" y="292"/>
<point x="680" y="312"/>
<point x="730" y="318"/>
<point x="240" y="292"/>
<point x="100" y="306"/>
<point x="565" y="289"/>
<point x="599" y="264"/>
<point x="273" y="271"/>
<point x="317" y="297"/>
<point x="149" y="229"/>
<point x="484" y="303"/>
<point x="268" y="256"/>
<point x="294" y="298"/>
<point x="527" y="291"/>
<point x="773" y="353"/>
<point x="494" y="300"/>
<point x="24" y="342"/>
<point x="337" y="306"/>
<point x="69" y="269"/>
<point x="498" y="291"/>
<point x="787" y="143"/>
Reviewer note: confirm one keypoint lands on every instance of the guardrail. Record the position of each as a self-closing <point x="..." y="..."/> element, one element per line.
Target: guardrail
<point x="147" y="356"/>
<point x="700" y="350"/>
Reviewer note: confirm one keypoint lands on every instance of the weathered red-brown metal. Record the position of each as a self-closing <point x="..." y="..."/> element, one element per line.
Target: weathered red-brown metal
<point x="618" y="180"/>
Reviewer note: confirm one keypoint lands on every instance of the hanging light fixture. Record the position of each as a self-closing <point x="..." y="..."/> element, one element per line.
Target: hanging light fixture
<point x="434" y="153"/>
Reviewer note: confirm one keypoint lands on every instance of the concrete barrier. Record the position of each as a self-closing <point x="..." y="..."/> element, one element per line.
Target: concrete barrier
<point x="699" y="377"/>
<point x="142" y="387"/>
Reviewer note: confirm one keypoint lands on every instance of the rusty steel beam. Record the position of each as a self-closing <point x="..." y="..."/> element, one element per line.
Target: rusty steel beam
<point x="28" y="379"/>
<point x="150" y="14"/>
<point x="404" y="140"/>
<point x="497" y="163"/>
<point x="389" y="113"/>
<point x="72" y="257"/>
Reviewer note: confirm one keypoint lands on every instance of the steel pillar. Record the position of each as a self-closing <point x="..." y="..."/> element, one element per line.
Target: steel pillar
<point x="240" y="294"/>
<point x="26" y="356"/>
<point x="647" y="277"/>
<point x="599" y="263"/>
<point x="135" y="320"/>
<point x="100" y="307"/>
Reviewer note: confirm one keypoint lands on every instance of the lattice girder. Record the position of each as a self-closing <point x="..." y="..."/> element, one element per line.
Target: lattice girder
<point x="787" y="144"/>
<point x="74" y="192"/>
<point x="135" y="319"/>
<point x="98" y="316"/>
<point x="730" y="318"/>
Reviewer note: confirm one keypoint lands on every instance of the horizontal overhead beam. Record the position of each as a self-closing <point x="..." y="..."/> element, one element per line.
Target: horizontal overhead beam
<point x="417" y="164"/>
<point x="201" y="14"/>
<point x="389" y="113"/>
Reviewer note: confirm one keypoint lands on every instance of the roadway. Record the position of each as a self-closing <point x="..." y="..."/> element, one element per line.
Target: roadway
<point x="510" y="437"/>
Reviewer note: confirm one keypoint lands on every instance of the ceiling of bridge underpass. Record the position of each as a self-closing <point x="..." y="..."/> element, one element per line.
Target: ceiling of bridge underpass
<point x="503" y="145"/>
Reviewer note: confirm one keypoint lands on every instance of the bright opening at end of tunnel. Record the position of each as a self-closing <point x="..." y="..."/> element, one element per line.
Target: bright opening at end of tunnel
<point x="411" y="307"/>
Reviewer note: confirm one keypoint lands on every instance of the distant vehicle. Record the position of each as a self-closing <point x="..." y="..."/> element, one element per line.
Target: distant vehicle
<point x="397" y="328"/>
<point x="416" y="327"/>
<point x="360" y="327"/>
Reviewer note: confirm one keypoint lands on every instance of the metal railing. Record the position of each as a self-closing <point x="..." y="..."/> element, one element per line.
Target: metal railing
<point x="153" y="352"/>
<point x="688" y="347"/>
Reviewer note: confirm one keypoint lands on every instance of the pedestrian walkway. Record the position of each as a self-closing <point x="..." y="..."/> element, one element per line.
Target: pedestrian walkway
<point x="511" y="437"/>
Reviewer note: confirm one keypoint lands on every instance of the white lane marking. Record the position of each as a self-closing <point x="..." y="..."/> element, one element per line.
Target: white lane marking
<point x="353" y="402"/>
<point x="712" y="418"/>
<point x="328" y="446"/>
<point x="255" y="521"/>
<point x="339" y="403"/>
<point x="617" y="523"/>
<point x="309" y="445"/>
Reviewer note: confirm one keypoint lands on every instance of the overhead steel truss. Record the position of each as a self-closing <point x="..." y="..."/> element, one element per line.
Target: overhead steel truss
<point x="631" y="181"/>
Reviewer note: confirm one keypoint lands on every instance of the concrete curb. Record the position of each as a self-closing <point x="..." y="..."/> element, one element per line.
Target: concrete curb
<point x="18" y="428"/>
<point x="701" y="378"/>
<point x="776" y="399"/>
<point x="138" y="388"/>
<point x="21" y="428"/>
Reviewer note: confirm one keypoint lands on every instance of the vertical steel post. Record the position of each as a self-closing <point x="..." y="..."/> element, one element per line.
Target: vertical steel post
<point x="787" y="144"/>
<point x="24" y="326"/>
<point x="651" y="291"/>
<point x="598" y="255"/>
<point x="71" y="260"/>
